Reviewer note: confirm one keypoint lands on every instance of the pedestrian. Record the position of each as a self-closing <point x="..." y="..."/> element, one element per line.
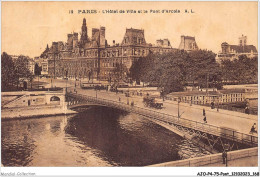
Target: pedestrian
<point x="253" y="129"/>
<point x="247" y="110"/>
<point x="205" y="119"/>
<point x="212" y="105"/>
<point x="204" y="113"/>
<point x="119" y="99"/>
<point x="224" y="157"/>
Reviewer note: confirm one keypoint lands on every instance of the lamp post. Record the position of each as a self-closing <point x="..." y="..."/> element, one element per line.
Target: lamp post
<point x="207" y="85"/>
<point x="75" y="85"/>
<point x="66" y="72"/>
<point x="179" y="107"/>
<point x="218" y="103"/>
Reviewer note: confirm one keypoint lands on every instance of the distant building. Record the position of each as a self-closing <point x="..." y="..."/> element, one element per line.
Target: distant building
<point x="43" y="63"/>
<point x="231" y="52"/>
<point x="92" y="57"/>
<point x="44" y="66"/>
<point x="204" y="97"/>
<point x="31" y="65"/>
<point x="163" y="43"/>
<point x="232" y="95"/>
<point x="251" y="95"/>
<point x="195" y="97"/>
<point x="188" y="43"/>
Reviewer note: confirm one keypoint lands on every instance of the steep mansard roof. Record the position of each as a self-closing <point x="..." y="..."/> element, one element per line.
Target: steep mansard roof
<point x="243" y="49"/>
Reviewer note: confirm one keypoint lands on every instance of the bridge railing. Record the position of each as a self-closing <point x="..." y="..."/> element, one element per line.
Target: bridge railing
<point x="215" y="159"/>
<point x="171" y="119"/>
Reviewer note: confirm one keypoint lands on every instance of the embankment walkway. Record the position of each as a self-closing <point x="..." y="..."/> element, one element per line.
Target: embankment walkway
<point x="239" y="158"/>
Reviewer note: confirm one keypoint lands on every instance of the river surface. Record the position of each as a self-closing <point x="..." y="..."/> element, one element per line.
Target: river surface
<point x="96" y="136"/>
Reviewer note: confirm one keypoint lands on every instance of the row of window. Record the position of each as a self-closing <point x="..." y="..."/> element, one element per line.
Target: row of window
<point x="117" y="53"/>
<point x="232" y="95"/>
<point x="214" y="98"/>
<point x="232" y="100"/>
<point x="198" y="98"/>
<point x="135" y="40"/>
<point x="76" y="64"/>
<point x="110" y="53"/>
<point x="91" y="53"/>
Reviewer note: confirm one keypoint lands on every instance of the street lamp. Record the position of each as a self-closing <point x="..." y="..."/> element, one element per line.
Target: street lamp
<point x="218" y="103"/>
<point x="179" y="100"/>
<point x="66" y="72"/>
<point x="75" y="85"/>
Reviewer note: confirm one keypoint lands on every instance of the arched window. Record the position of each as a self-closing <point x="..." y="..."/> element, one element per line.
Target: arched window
<point x="55" y="100"/>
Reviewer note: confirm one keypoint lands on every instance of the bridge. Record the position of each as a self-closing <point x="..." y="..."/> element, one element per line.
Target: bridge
<point x="212" y="138"/>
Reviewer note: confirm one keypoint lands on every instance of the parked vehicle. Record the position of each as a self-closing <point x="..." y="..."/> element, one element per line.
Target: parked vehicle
<point x="96" y="86"/>
<point x="127" y="94"/>
<point x="151" y="102"/>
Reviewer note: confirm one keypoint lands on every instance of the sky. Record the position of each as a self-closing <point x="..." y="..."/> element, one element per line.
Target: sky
<point x="27" y="27"/>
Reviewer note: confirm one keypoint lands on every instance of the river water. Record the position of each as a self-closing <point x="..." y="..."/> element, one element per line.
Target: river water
<point x="96" y="136"/>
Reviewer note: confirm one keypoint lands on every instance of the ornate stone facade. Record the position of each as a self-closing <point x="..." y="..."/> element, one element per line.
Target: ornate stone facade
<point x="94" y="58"/>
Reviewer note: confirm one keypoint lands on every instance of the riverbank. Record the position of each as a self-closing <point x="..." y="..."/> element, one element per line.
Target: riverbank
<point x="34" y="112"/>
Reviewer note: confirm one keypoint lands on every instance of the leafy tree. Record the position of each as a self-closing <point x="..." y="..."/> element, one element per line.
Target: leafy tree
<point x="37" y="69"/>
<point x="171" y="71"/>
<point x="139" y="67"/>
<point x="14" y="71"/>
<point x="37" y="72"/>
<point x="174" y="70"/>
<point x="21" y="70"/>
<point x="7" y="72"/>
<point x="240" y="71"/>
<point x="135" y="70"/>
<point x="119" y="73"/>
<point x="203" y="69"/>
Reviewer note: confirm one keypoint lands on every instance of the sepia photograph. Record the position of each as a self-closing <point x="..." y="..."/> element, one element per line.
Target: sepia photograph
<point x="129" y="84"/>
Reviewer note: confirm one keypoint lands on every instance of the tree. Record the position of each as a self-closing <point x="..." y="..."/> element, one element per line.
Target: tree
<point x="204" y="69"/>
<point x="37" y="71"/>
<point x="172" y="71"/>
<point x="7" y="72"/>
<point x="21" y="71"/>
<point x="240" y="71"/>
<point x="119" y="73"/>
<point x="14" y="72"/>
<point x="138" y="67"/>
